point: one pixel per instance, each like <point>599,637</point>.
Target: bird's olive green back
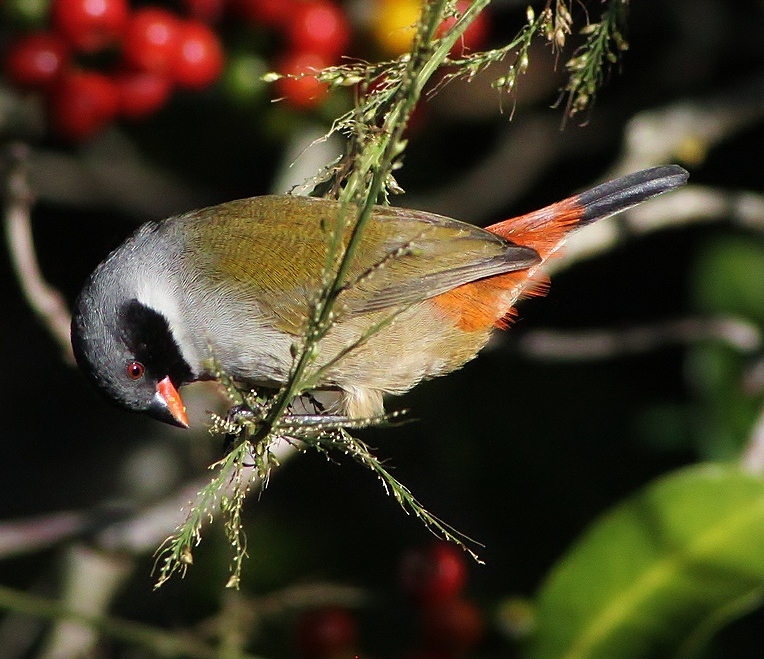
<point>272,249</point>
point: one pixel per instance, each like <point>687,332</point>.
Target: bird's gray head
<point>127,348</point>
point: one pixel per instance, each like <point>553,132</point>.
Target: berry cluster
<point>314,33</point>
<point>434,577</point>
<point>156,51</point>
<point>102,59</point>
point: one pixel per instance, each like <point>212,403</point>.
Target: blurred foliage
<point>727,279</point>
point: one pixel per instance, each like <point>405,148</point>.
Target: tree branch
<point>47,302</point>
<point>607,343</point>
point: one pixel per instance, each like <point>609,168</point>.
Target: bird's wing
<point>271,250</point>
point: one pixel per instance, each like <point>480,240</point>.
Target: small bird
<point>232,288</point>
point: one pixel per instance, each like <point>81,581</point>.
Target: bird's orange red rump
<point>483,303</point>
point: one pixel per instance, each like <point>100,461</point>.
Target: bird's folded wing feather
<point>272,250</point>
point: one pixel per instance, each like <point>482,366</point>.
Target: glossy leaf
<point>659,574</point>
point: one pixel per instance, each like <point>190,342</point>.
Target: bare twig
<point>529,146</point>
<point>688,129</point>
<point>160,642</point>
<point>515,160</point>
<point>142,532</point>
<point>35,533</point>
<point>147,528</point>
<point>92,580</point>
<point>606,343</point>
<point>113,528</point>
<point>110,173</point>
<point>45,301</point>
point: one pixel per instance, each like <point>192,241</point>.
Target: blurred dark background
<point>516,451</point>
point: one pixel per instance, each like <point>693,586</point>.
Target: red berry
<point>303,92</point>
<point>434,573</point>
<point>319,26</point>
<point>473,37</point>
<point>141,93</point>
<point>82,103</point>
<point>36,59</point>
<point>209,11</point>
<point>90,25</point>
<point>268,13</point>
<point>152,40</point>
<point>199,59</point>
<point>326,633</point>
<point>454,627</point>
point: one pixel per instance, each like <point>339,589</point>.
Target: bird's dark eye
<point>135,370</point>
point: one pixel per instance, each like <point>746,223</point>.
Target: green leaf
<point>660,573</point>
